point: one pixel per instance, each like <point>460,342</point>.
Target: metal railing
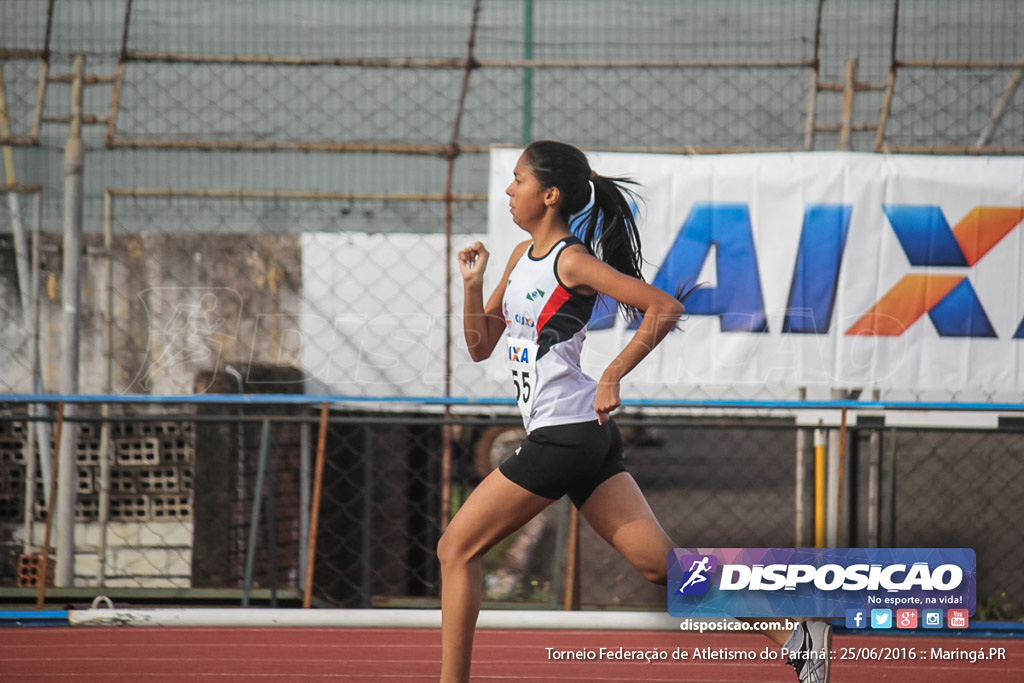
<point>339,501</point>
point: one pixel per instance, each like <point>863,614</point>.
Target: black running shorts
<point>572,459</point>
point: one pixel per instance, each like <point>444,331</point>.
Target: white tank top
<point>546,324</point>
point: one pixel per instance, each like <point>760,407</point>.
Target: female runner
<point>544,301</point>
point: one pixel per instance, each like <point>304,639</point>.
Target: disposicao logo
<point>696,580</point>
<point>823,582</point>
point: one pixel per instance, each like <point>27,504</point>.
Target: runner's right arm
<point>483,326</point>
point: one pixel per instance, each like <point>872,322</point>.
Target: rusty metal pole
<point>314,512</point>
<point>44,566</point>
<point>841,540</point>
<point>1004,103</point>
<point>452,156</point>
<point>812,91</point>
<point>849,86</point>
<point>890,81</point>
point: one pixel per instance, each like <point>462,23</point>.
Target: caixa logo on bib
<point>823,582</point>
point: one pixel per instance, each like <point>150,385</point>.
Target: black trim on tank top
<point>529,249</point>
<point>558,278</point>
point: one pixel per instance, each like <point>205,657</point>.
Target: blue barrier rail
<point>441,401</point>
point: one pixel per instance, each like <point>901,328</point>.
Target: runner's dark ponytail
<point>608,227</point>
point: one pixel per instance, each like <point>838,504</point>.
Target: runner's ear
<point>552,196</point>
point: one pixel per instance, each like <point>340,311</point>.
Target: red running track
<point>265,655</point>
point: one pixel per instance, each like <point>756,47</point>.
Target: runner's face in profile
<point>526,196</point>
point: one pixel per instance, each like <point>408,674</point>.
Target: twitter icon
<point>881,618</point>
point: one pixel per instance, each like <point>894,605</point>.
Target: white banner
<point>819,270</point>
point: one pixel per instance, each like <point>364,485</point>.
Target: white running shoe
<point>812,654</point>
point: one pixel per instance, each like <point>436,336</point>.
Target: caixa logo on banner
<point>938,284</point>
<point>824,582</point>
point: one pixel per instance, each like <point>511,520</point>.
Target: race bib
<point>522,362</point>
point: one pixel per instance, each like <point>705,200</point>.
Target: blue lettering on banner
<point>603,317</point>
<point>960,314</point>
<point>737,298</point>
<point>812,293</point>
<point>925,235</point>
<point>928,241</point>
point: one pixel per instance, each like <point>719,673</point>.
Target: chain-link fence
<point>261,180</point>
<point>19,292</point>
<point>254,190</point>
<point>175,505</point>
<point>952,488</point>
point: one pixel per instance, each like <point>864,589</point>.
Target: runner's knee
<point>446,552</point>
<point>451,549</point>
<point>655,572</point>
<point>650,562</point>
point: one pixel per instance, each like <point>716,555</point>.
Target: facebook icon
<point>856,618</point>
